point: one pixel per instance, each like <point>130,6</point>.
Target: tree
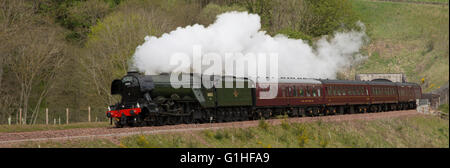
<point>112,42</point>
<point>35,61</point>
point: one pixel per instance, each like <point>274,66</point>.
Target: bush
<point>222,134</point>
<point>209,13</point>
<point>290,33</point>
<point>327,16</point>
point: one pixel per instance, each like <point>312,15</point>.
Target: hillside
<point>407,38</point>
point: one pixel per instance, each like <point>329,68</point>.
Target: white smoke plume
<point>239,32</point>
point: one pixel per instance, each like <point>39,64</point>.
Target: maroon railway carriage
<point>346,96</point>
<point>299,97</point>
<point>407,95</point>
<point>295,97</point>
<point>383,96</point>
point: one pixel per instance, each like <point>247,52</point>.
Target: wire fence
<point>55,116</point>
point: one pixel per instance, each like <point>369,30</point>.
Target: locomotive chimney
<point>132,72</point>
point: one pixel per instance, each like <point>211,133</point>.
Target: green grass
<point>406,38</point>
<point>43,127</point>
<point>406,132</point>
<point>442,1</point>
<point>418,131</point>
<point>443,108</point>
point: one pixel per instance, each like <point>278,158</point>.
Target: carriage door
<point>289,95</point>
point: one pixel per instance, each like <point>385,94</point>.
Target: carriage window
<point>344,91</point>
<point>301,92</point>
<point>283,91</point>
<point>308,91</point>
<point>350,91</point>
<point>295,91</point>
<point>314,92</point>
<point>328,90</point>
<point>334,91</point>
<point>318,92</point>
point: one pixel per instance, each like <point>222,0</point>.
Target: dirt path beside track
<point>7,139</point>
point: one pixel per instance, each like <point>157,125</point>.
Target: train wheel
<point>351,110</point>
<point>179,120</point>
<point>341,110</point>
<point>331,111</point>
<point>267,114</point>
<point>161,120</point>
<point>170,120</point>
<point>235,115</point>
<point>188,119</point>
<point>302,112</point>
<point>118,124</point>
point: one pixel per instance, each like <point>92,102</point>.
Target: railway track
<point>6,139</point>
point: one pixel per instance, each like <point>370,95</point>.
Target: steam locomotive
<point>150,100</point>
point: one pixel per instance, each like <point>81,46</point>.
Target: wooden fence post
<point>67,115</point>
<point>89,113</point>
<point>20,116</point>
<point>46,116</point>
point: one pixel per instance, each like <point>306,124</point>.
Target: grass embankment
<point>444,108</point>
<point>406,38</point>
<point>419,131</point>
<point>43,127</point>
<point>424,1</point>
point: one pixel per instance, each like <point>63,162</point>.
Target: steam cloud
<point>239,32</point>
